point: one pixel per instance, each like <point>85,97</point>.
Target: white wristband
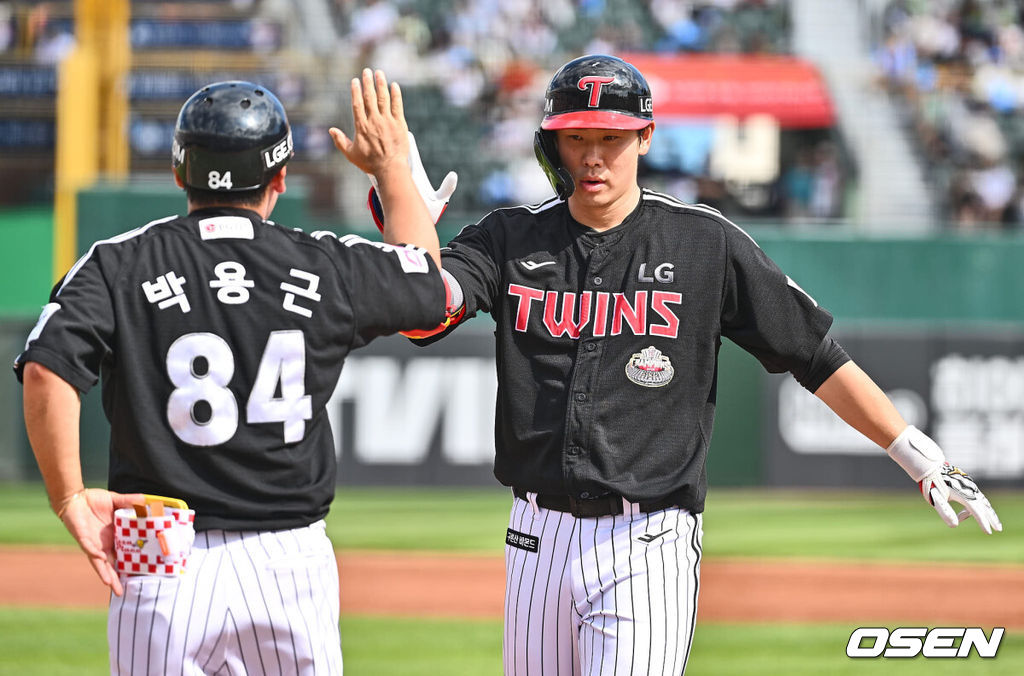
<point>916,453</point>
<point>458,298</point>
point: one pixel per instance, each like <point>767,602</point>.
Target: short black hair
<point>200,198</point>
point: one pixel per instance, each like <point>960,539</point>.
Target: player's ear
<point>177,180</point>
<point>645,138</point>
<point>277,183</point>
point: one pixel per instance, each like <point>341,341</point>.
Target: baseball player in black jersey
<point>611,302</point>
<point>219,337</point>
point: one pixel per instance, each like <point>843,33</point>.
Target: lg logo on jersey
<point>663,273</point>
<point>914,641</point>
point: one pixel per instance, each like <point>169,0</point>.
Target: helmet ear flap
<point>545,147</point>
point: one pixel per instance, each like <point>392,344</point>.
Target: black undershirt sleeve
<point>827,359</point>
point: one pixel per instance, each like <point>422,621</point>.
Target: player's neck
<point>603,217</point>
<point>263,208</point>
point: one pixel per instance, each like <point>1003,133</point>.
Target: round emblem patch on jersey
<point>650,368</point>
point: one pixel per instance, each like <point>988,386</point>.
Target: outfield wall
<point>963,385</point>
<point>918,314</point>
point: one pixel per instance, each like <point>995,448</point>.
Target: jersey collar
<point>207,212</point>
<point>611,234</point>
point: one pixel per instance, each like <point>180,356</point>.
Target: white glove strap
<point>436,200</point>
<point>916,453</point>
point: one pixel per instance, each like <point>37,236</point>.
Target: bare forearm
<point>407,220</point>
<point>52,410</point>
<point>855,398</point>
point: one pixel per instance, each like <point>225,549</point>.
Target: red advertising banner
<point>706,85</point>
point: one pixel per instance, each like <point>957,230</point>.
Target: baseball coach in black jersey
<point>219,337</point>
<point>611,302</point>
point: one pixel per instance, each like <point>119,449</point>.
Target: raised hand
<point>381,134</point>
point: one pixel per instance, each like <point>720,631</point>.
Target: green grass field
<point>738,523</point>
<point>75,644</point>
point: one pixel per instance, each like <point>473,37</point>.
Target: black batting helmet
<point>592,92</point>
<point>231,137</point>
<point>597,92</point>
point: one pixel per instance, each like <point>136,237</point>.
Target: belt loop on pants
<point>630,508</point>
<point>532,499</point>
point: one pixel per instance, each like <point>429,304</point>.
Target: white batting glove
<point>941,482</point>
<point>436,200</point>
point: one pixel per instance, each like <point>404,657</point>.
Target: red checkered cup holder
<point>154,544</point>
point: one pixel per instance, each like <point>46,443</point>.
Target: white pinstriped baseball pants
<point>249,603</point>
<point>601,596</point>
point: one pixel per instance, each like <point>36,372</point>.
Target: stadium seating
<point>472,72</point>
<point>176,48</point>
<point>956,68</point>
<point>487,62</point>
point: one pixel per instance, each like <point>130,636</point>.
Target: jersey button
<point>590,347</point>
<point>574,450</point>
<point>585,495</point>
<point>598,281</point>
<point>580,396</point>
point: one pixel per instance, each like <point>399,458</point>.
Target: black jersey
<point>220,338</point>
<point>607,342</point>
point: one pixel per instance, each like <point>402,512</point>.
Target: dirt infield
<point>732,590</point>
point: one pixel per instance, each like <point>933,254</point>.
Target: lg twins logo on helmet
<point>274,155</point>
<point>595,83</point>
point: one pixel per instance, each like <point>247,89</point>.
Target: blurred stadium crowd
<point>473,72</point>
<point>957,67</point>
<point>486,63</point>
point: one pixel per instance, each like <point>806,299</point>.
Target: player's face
<point>603,164</point>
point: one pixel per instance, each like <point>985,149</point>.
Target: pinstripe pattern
<point>694,550</point>
<point>250,603</point>
<point>595,600</point>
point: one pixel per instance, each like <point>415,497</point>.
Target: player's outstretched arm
<point>861,403</point>
<point>380,147</point>
<point>52,411</point>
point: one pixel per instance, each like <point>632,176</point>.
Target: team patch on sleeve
<point>522,541</point>
<point>413,259</point>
